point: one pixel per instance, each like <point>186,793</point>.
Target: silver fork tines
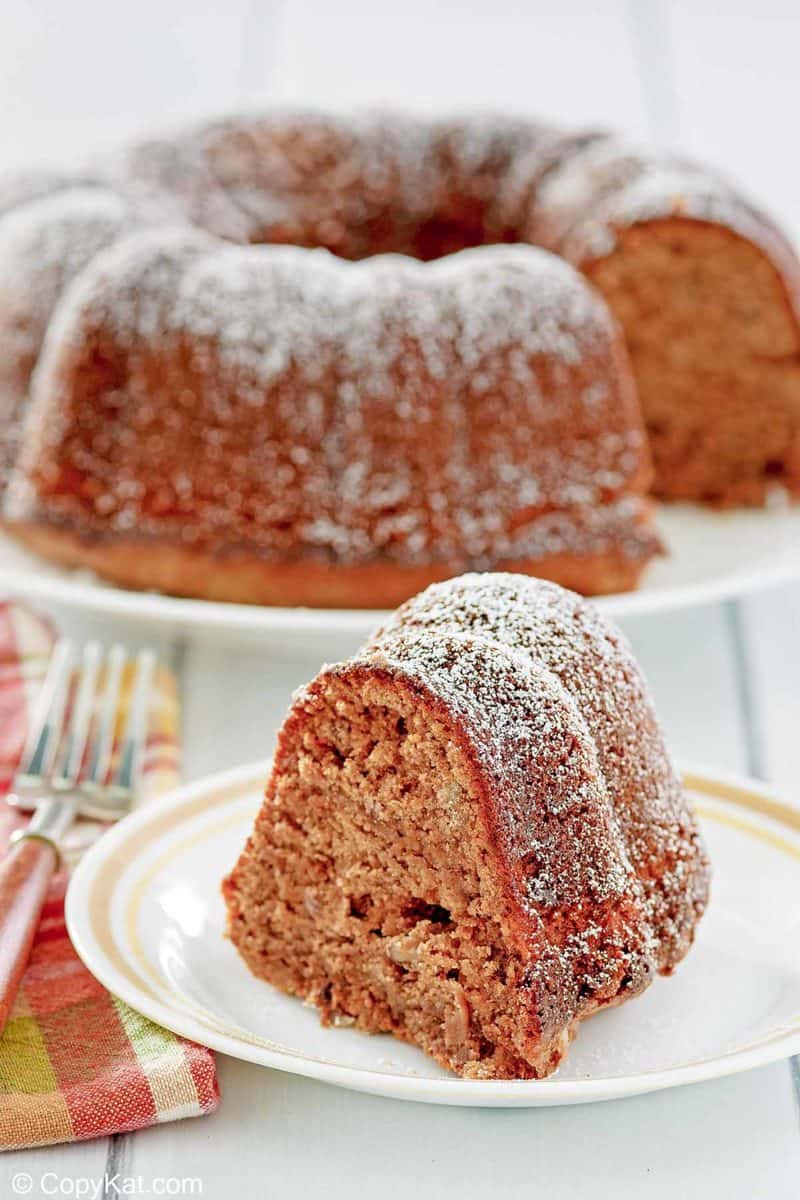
<point>52,762</point>
<point>101,797</point>
<point>75,722</point>
<point>41,744</point>
<point>135,735</point>
<point>103,746</point>
<point>78,733</point>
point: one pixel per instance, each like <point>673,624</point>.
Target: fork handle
<point>25,875</point>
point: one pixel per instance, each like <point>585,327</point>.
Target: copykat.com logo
<point>83,1187</point>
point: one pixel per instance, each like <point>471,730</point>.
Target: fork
<point>65,771</point>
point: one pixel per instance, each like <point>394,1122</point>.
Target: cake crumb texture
<point>473,836</point>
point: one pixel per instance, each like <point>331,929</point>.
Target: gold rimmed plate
<point>145,913</point>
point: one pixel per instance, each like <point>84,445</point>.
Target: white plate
<point>145,913</point>
<point>712,556</point>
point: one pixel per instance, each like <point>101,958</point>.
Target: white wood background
<point>719,80</point>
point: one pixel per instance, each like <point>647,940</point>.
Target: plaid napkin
<point>75,1062</point>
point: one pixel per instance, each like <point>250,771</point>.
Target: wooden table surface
<point>683,73</point>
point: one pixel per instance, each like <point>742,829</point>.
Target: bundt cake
<point>336,433</point>
<point>44,244</point>
<point>472,836</point>
<point>219,417</point>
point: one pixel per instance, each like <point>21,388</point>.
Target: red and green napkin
<point>75,1062</point>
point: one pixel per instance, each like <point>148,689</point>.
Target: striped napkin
<point>75,1062</point>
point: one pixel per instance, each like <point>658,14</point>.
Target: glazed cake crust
<point>473,836</point>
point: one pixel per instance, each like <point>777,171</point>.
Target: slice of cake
<point>473,836</point>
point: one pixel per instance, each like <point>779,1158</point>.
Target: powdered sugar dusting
<point>270,306</point>
<point>594,866</point>
<point>45,245</point>
<point>468,411</point>
<point>405,411</point>
<point>608,185</point>
<point>27,187</point>
<point>544,682</point>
